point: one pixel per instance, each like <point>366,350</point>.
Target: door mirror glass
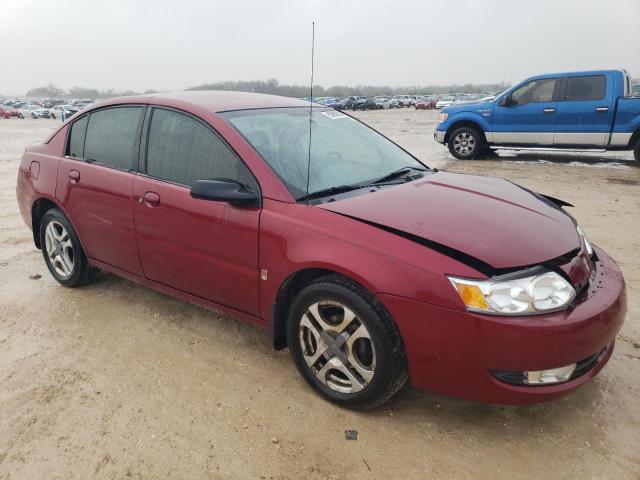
<point>225,190</point>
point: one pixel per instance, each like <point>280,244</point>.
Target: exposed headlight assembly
<point>533,292</point>
<point>587,245</point>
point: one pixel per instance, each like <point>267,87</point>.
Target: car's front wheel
<point>53,115</point>
<point>20,116</point>
<point>345,344</point>
<point>62,251</point>
<point>465,143</point>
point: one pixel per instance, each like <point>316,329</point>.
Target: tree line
<point>272,86</point>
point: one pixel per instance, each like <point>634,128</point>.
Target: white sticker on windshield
<point>334,114</point>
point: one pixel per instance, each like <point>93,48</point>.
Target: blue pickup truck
<point>576,110</point>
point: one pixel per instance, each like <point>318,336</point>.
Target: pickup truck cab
<point>576,110</point>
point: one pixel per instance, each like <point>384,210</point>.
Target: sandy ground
<point>117,381</point>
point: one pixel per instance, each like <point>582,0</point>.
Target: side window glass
<point>586,88</point>
<point>182,150</point>
<point>535,91</point>
<point>76,138</point>
<point>112,136</point>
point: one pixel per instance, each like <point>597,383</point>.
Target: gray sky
<point>168,44</point>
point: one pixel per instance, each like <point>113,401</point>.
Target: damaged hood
<point>488,219</point>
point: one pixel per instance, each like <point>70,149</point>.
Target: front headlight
<point>587,245</point>
<point>443,117</point>
<point>528,294</point>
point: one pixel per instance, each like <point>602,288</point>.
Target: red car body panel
<point>9,112</point>
<point>212,253</point>
<point>488,218</point>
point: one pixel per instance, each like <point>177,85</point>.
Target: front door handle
<point>150,199</point>
<point>74,176</point>
<point>602,109</point>
<point>549,111</point>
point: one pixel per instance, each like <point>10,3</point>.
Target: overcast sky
<point>174,44</point>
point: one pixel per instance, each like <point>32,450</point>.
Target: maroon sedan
<point>7,111</point>
<point>370,266</point>
<point>425,105</point>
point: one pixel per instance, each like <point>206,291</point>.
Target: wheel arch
<point>634,138</point>
<point>466,122</point>
<point>38,209</point>
<point>290,287</point>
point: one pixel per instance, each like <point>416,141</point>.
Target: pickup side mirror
<point>225,190</point>
<point>507,101</point>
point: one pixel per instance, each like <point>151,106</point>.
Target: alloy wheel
<point>337,347</point>
<point>464,143</point>
<point>59,249</point>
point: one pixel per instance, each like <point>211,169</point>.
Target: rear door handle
<point>74,176</point>
<point>549,111</point>
<point>602,109</point>
<point>150,199</point>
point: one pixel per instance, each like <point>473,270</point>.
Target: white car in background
<point>444,102</point>
<point>383,102</point>
<point>401,100</point>
<point>35,111</point>
<point>58,110</point>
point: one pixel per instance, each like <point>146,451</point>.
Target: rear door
<point>206,248</point>
<point>530,117</point>
<point>95,179</point>
<point>585,107</point>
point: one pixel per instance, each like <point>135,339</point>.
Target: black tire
<point>53,116</point>
<point>81,273</point>
<point>636,151</point>
<point>390,371</point>
<point>465,143</point>
<point>20,116</point>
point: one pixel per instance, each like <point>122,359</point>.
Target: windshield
<point>344,151</point>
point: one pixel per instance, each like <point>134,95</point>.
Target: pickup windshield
<point>344,151</point>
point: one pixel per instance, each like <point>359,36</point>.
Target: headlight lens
<point>587,245</point>
<point>443,117</point>
<point>513,295</point>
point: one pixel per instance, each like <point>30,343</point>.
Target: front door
<point>205,248</point>
<point>95,180</point>
<point>529,117</point>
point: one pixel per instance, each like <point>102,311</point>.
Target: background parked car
<point>401,100</point>
<point>365,103</point>
<point>444,102</point>
<point>425,104</point>
<point>345,103</point>
<point>7,111</point>
<point>383,102</point>
<point>35,111</point>
<point>58,110</point>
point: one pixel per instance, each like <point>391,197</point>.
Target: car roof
<point>215,100</point>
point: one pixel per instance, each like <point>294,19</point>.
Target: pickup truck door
<point>583,114</point>
<point>528,115</point>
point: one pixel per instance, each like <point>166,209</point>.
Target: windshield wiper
<point>329,191</point>
<point>395,174</point>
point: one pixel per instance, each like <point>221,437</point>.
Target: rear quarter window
<point>76,137</point>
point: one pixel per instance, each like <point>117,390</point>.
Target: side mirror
<point>225,190</point>
<point>507,101</point>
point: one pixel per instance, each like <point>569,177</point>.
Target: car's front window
<point>344,151</point>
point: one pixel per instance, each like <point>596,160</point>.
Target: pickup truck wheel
<point>636,151</point>
<point>465,143</point>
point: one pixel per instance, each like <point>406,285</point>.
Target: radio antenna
<point>313,41</point>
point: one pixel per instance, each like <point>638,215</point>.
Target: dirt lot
<point>115,381</point>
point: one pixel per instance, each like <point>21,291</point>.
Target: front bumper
<point>457,353</point>
<point>439,135</point>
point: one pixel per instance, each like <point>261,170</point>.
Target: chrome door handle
<point>602,109</point>
<point>549,111</point>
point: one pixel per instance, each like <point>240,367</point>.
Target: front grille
<point>519,377</point>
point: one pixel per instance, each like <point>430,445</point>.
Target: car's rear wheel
<point>53,116</point>
<point>465,143</point>
<point>62,251</point>
<point>20,116</point>
<point>33,115</point>
<point>345,343</point>
<point>636,151</point>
